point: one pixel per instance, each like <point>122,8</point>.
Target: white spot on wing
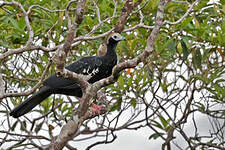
<point>88,70</point>
<point>94,71</point>
<point>89,74</point>
<point>84,71</point>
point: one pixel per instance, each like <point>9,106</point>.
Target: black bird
<point>94,68</point>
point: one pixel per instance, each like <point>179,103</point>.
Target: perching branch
<point>62,52</point>
<point>153,105</point>
<point>141,58</point>
<point>69,130</point>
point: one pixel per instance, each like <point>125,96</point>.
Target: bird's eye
<point>114,36</point>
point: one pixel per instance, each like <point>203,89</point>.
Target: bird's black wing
<point>87,66</point>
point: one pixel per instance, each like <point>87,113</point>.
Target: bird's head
<point>115,38</point>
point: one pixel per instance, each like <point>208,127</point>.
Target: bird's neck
<point>111,50</point>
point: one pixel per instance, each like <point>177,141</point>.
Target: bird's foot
<point>95,108</point>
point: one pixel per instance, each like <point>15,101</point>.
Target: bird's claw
<point>95,108</point>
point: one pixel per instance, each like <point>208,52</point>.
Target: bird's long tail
<point>31,102</point>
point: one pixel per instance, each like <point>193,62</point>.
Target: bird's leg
<point>102,103</point>
<point>95,108</point>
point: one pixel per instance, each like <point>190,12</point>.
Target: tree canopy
<point>171,70</point>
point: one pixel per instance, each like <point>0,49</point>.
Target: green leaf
<point>129,82</point>
<point>65,108</point>
<point>157,124</point>
<point>23,125</point>
<point>46,104</point>
<point>197,59</point>
<point>14,126</point>
<point>199,77</point>
<point>3,111</point>
<point>121,82</point>
<point>172,46</point>
<point>163,121</point>
<point>185,22</point>
<point>164,87</point>
<point>154,4</point>
<point>200,106</point>
<point>145,75</point>
<point>16,25</point>
<point>38,127</point>
<point>155,135</point>
<point>185,50</point>
<point>117,105</point>
<point>220,90</point>
<point>133,102</point>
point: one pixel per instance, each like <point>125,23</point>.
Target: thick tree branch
<point>175,92</point>
<point>62,52</point>
<point>69,130</point>
<point>126,11</point>
<point>141,58</point>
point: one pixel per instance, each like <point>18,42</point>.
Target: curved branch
<point>184,16</point>
<point>46,9</point>
<point>31,90</point>
<point>69,130</point>
<point>119,27</point>
<point>27,48</point>
<point>29,28</point>
<point>141,58</point>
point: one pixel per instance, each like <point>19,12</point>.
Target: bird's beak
<point>123,38</point>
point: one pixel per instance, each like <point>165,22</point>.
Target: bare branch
<point>102,142</point>
<point>45,9</point>
<point>29,28</point>
<point>119,27</point>
<point>97,12</point>
<point>31,90</point>
<point>62,51</point>
<point>24,135</point>
<point>141,58</point>
<point>27,48</point>
<point>67,13</point>
<point>2,86</point>
<point>140,25</point>
<point>126,10</point>
<point>185,15</point>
